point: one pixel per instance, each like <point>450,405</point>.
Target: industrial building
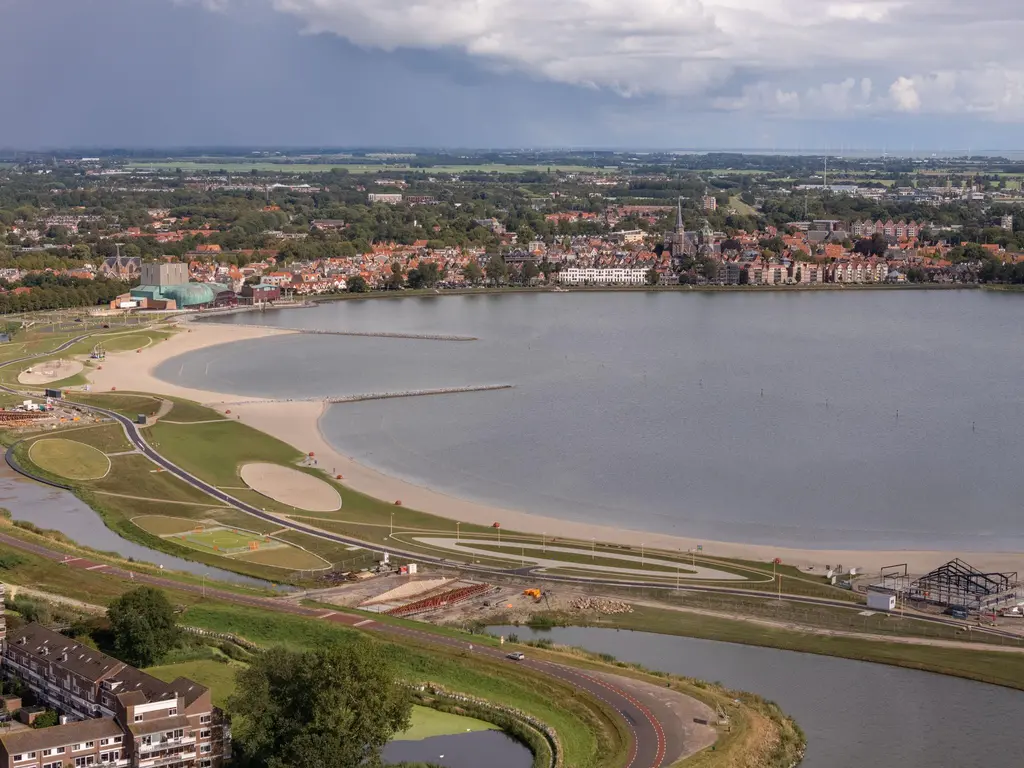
<point>955,584</point>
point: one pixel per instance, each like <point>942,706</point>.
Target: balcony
<point>166,744</point>
<point>181,757</point>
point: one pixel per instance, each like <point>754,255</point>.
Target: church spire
<point>679,215</point>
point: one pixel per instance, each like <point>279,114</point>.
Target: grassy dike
<point>591,734</point>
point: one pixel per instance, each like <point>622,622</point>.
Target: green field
<point>218,539</point>
<point>108,438</point>
<point>217,675</point>
<point>427,723</point>
<point>160,525</point>
<point>70,459</point>
<point>289,557</point>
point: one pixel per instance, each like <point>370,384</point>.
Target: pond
<point>60,510</point>
<point>853,713</point>
<point>495,749</point>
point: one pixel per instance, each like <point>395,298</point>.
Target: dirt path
<point>161,501</point>
<point>49,597</point>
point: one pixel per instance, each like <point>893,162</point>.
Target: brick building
<point>112,714</point>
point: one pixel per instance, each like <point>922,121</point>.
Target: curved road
<point>649,744</point>
<point>135,436</point>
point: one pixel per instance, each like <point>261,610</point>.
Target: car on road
<point>516,656</point>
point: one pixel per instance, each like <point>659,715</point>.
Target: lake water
<point>853,713</point>
<point>55,509</point>
<point>464,750</point>
<point>858,419</point>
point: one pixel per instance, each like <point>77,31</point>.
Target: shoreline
<point>298,424</point>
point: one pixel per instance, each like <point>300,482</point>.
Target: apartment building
<point>599,276</point>
<point>112,715</point>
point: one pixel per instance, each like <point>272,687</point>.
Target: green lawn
<point>135,475</point>
<point>108,438</point>
<point>67,458</point>
<point>159,525</point>
<point>589,731</point>
<point>126,404</point>
<point>217,675</point>
<point>187,411</point>
<point>427,723</point>
<point>214,452</point>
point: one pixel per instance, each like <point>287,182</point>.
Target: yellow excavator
<point>534,593</point>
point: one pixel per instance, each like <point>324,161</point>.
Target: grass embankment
<point>1004,668</point>
<point>69,459</point>
<point>591,733</point>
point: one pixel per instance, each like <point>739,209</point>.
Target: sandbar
<point>298,424</point>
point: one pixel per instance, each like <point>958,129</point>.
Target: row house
<point>859,272</point>
<point>112,714</point>
<point>899,230</point>
<point>808,273</point>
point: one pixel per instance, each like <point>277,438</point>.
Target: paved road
<point>138,440</point>
<point>649,746</point>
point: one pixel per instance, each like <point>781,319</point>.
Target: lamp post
<point>593,546</point>
<point>458,534</point>
<point>392,529</point>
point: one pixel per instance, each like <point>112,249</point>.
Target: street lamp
<point>392,529</point>
<point>593,546</point>
<point>458,535</point>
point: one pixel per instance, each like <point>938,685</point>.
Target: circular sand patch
<point>50,370</point>
<point>291,487</point>
<point>70,459</point>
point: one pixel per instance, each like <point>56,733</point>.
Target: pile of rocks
<point>598,605</point>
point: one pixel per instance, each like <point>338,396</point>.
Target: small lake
<point>495,749</point>
<point>853,713</point>
<point>55,509</point>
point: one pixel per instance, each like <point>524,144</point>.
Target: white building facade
<point>602,276</point>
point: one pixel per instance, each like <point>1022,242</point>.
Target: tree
<point>396,279</point>
<point>47,719</point>
<point>357,284</point>
<point>143,625</point>
<point>652,276</point>
<point>496,269</point>
<point>333,707</point>
<point>472,272</point>
<point>529,272</point>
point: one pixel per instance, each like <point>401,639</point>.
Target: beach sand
<point>297,423</point>
<point>49,371</point>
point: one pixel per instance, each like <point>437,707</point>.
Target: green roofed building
<point>186,295</point>
<point>165,285</point>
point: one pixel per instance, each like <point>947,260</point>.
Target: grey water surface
<point>853,713</point>
<point>851,419</point>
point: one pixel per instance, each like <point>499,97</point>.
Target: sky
<point>813,75</point>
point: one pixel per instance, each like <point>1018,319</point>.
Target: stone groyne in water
<point>366,334</point>
<point>372,395</point>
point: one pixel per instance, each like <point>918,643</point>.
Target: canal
<point>853,713</point>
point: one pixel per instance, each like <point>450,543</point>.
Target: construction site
<point>956,588</point>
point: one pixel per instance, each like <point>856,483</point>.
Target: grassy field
<point>186,411</point>
<point>159,525</point>
<point>127,404</point>
<point>217,675</point>
<point>135,475</point>
<point>215,452</point>
<point>427,723</point>
<point>70,459</point>
<point>108,438</point>
<point>287,557</point>
<point>590,732</point>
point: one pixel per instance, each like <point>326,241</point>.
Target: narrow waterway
<point>493,749</point>
<point>59,510</point>
<point>854,713</point>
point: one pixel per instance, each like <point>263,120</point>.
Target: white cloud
<point>797,56</point>
<point>904,95</point>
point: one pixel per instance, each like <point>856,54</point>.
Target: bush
<point>9,560</point>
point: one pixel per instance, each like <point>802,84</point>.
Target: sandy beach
<point>297,423</point>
